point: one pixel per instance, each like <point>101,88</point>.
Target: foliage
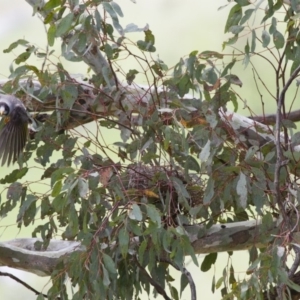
<point>173,164</point>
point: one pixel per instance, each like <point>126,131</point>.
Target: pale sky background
<point>179,27</point>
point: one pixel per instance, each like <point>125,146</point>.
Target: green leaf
<point>227,68</point>
<point>188,249</point>
<point>109,264</point>
<point>180,187</point>
<point>210,54</point>
<point>141,251</point>
<point>232,279</point>
<point>14,175</point>
<point>265,38</point>
<point>64,25</point>
<point>73,225</point>
<point>144,46</point>
<point>153,214</point>
<point>208,261</point>
<point>183,283</point>
<point>116,8</point>
<point>149,37</point>
<point>296,58</point>
<point>234,17</point>
<point>184,85</point>
<point>209,192</point>
<point>267,222</point>
<point>247,15</point>
<point>246,59</point>
<point>14,191</point>
<point>205,152</point>
<point>56,188</point>
<point>123,238</point>
<point>40,297</point>
<point>130,76</point>
<point>191,164</point>
<point>15,45</point>
<point>69,94</point>
<point>148,43</point>
<point>108,51</point>
<point>23,57</point>
<point>278,39</point>
<point>106,280</point>
<point>230,41</point>
<point>60,173</point>
<point>288,123</point>
<point>59,203</point>
<point>174,293</point>
<point>243,2</point>
<point>273,26</point>
<point>135,213</point>
<point>210,75</point>
<point>253,43</point>
<point>51,4</point>
<point>27,210</point>
<point>236,29</point>
<point>109,8</point>
<point>83,187</point>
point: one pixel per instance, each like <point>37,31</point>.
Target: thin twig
<point>23,283</point>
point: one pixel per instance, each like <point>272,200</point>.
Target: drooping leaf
<point>208,261</point>
<point>15,45</point>
<point>109,263</point>
<point>153,214</point>
<point>247,15</point>
<point>64,25</point>
<point>278,39</point>
<point>123,238</point>
<point>234,17</point>
<point>135,213</point>
<point>265,38</point>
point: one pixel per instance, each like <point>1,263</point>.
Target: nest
<point>169,189</point>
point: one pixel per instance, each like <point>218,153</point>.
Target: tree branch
<point>23,283</point>
<point>21,253</point>
<point>270,119</point>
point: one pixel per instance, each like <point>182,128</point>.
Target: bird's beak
<point>2,110</point>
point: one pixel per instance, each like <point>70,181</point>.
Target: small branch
<point>279,160</point>
<point>191,282</point>
<point>187,274</point>
<point>23,283</point>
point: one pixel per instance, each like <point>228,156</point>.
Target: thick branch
<point>21,253</point>
<point>270,119</point>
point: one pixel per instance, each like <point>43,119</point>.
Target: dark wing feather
<point>13,135</point>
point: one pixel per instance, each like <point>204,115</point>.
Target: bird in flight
<point>13,128</point>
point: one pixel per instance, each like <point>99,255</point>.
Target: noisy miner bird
<point>13,128</point>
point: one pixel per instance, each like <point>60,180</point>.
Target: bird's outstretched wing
<point>13,135</point>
